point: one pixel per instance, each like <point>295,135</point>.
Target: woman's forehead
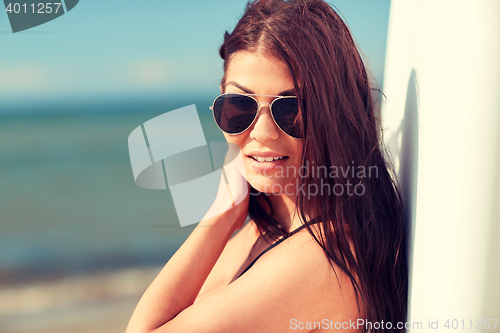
<point>258,73</point>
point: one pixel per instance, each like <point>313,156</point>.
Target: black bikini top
<point>279,241</point>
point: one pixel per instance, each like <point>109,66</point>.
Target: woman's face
<point>256,73</point>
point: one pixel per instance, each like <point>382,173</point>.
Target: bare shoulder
<point>231,259</point>
<point>305,272</point>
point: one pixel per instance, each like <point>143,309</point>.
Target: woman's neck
<point>285,211</point>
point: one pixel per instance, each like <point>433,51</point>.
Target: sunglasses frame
<point>270,105</point>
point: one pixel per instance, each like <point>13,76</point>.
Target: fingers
<point>233,187</point>
<point>235,177</point>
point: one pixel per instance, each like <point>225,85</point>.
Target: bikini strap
<point>279,241</point>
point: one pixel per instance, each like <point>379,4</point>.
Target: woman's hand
<point>231,203</point>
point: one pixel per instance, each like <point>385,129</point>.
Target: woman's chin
<point>270,187</point>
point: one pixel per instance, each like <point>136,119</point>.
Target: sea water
<point>68,201</point>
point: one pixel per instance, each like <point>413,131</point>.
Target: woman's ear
<point>221,90</point>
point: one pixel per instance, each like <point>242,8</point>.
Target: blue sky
<point>110,50</point>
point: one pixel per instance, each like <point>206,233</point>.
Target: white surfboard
<point>442,124</point>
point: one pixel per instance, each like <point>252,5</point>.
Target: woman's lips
<point>267,166</point>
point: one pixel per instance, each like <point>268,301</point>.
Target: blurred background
<point>79,241</point>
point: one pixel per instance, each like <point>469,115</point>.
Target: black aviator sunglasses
<point>235,113</point>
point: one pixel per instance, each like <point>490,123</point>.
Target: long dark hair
<point>341,131</point>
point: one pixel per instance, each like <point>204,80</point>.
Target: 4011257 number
<point>480,324</point>
<point>40,8</point>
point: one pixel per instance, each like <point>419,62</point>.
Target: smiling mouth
<point>268,159</point>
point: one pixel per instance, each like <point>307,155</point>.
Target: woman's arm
<point>179,282</point>
<point>177,285</point>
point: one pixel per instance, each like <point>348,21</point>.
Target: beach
<point>99,302</point>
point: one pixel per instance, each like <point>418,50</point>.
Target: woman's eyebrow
<point>289,92</point>
<point>246,90</point>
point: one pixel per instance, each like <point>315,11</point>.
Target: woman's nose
<point>264,128</point>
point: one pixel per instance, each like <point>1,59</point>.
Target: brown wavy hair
<point>338,104</point>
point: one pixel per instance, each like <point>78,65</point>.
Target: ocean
<point>72,215</point>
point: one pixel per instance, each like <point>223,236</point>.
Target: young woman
<point>325,246</point>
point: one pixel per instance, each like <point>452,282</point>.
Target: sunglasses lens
<point>286,115</point>
<point>234,113</point>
